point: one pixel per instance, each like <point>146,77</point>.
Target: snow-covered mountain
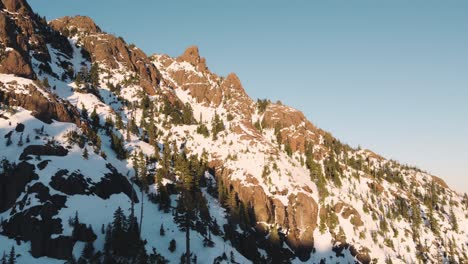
<point>92,124</point>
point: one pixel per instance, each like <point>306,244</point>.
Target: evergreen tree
<point>88,250</point>
<point>109,123</point>
<point>85,153</point>
<point>274,236</point>
<point>94,75</point>
<point>161,231</point>
<point>12,256</point>
<point>287,148</point>
<point>20,141</point>
<point>172,245</point>
<point>4,258</point>
<point>453,220</point>
<point>84,111</point>
<point>118,230</point>
<point>217,126</point>
<point>9,142</point>
<point>118,122</point>
<point>94,118</point>
<point>45,83</point>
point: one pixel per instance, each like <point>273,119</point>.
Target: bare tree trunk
<point>187,237</point>
<point>141,214</point>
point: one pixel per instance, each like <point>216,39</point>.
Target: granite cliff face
<point>274,186</point>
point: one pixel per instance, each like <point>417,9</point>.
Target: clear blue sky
<point>391,76</point>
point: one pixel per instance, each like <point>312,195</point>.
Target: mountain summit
<point>114,156</point>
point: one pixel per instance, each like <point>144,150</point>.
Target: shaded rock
<point>37,224</point>
<point>13,183</point>
<point>19,128</point>
<point>114,183</point>
<point>71,184</point>
<point>43,164</point>
<point>46,150</point>
<point>299,216</point>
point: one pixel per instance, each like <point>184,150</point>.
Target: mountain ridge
<point>274,171</point>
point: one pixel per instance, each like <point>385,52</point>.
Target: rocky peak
<point>233,81</point>
<point>192,56</point>
<point>16,6</point>
<point>82,23</point>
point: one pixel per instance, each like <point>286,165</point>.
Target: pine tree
<point>95,118</point>
<point>172,245</point>
<point>9,142</point>
<point>453,220</point>
<point>287,148</point>
<point>45,83</point>
<point>85,153</point>
<point>161,231</point>
<point>94,75</point>
<point>109,123</point>
<point>118,122</point>
<point>84,111</point>
<point>274,236</point>
<point>20,141</point>
<point>118,231</point>
<point>12,256</point>
<point>4,258</point>
<point>88,250</point>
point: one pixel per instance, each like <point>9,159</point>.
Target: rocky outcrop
<point>348,211</point>
<point>76,183</point>
<point>298,218</point>
<point>43,150</point>
<point>192,56</point>
<point>43,108</point>
<point>294,127</point>
<point>17,6</point>
<point>113,183</point>
<point>81,23</point>
<point>16,60</point>
<point>111,51</point>
<point>26,34</point>
<point>13,182</point>
<point>37,224</point>
<point>70,184</point>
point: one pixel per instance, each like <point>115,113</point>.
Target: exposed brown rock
<point>15,61</point>
<point>440,181</point>
<point>45,109</point>
<point>111,51</point>
<point>295,128</point>
<point>83,23</point>
<point>302,216</point>
<point>15,64</point>
<point>192,56</point>
<point>346,211</point>
<point>298,217</point>
<point>376,187</point>
<point>17,6</point>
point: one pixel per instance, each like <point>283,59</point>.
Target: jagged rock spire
<point>192,56</point>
